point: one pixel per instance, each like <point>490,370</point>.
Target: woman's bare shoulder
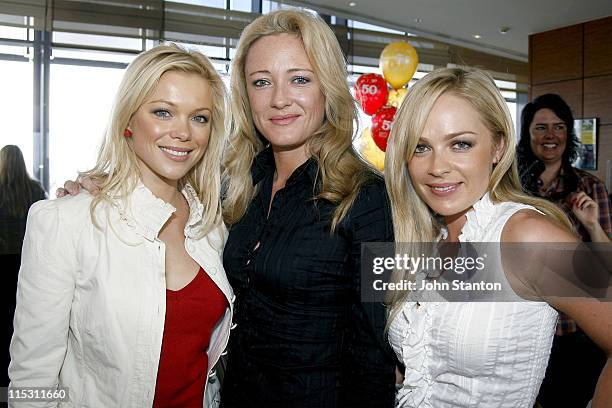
<point>529,225</point>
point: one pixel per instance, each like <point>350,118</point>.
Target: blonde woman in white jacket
<point>122,298</point>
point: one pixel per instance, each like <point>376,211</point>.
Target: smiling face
<point>452,163</point>
<point>548,136</point>
<point>284,92</point>
<point>171,128</point>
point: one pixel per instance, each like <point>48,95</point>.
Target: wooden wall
<point>576,63</point>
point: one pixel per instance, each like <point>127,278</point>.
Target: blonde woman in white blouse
<point>451,158</point>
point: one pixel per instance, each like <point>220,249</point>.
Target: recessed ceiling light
<point>504,30</point>
<point>352,4</point>
<point>418,20</point>
<point>477,36</point>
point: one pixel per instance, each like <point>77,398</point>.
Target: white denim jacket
<point>91,302</point>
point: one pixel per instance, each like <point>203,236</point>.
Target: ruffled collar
<point>147,213</point>
<point>478,219</point>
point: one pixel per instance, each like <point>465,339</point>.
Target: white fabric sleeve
<point>45,292</point>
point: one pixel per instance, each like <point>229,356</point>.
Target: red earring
<point>127,133</point>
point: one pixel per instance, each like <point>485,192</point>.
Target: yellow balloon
<point>369,151</point>
<point>396,97</point>
<point>398,62</point>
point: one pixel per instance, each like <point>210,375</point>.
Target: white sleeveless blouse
<point>460,354</point>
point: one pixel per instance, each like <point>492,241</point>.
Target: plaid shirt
<point>557,193</point>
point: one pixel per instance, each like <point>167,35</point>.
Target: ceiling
<point>458,21</point>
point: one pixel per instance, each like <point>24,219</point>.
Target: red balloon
<point>371,92</point>
<point>381,126</point>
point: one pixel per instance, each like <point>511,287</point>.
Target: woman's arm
<point>593,316</point>
<point>44,298</point>
<point>587,211</point>
<point>595,319</point>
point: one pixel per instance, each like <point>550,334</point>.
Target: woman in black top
<point>299,203</point>
<point>17,193</point>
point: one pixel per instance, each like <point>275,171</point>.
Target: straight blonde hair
<point>413,220</point>
<point>117,165</point>
<point>341,170</point>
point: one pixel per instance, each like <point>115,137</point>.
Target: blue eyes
<point>298,80</point>
<point>165,114</point>
<point>260,83</point>
<point>462,145</point>
<point>420,149</point>
<point>458,145</point>
<point>161,113</point>
<point>301,80</point>
<point>200,119</point>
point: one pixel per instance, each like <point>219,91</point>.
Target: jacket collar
<point>147,214</point>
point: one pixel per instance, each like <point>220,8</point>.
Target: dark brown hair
<point>17,190</point>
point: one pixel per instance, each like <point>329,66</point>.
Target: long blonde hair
<point>412,218</point>
<point>117,165</point>
<point>342,172</point>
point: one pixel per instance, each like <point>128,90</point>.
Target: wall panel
<point>556,55</point>
<point>598,47</point>
<point>576,63</point>
<point>570,91</point>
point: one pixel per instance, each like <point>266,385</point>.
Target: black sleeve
<point>369,360</point>
<point>37,192</point>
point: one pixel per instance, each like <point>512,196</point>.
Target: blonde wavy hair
<point>413,220</point>
<point>341,170</point>
<point>117,166</point>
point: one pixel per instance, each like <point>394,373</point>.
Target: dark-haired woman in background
<point>17,193</point>
<point>546,149</point>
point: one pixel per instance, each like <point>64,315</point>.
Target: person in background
<point>299,202</point>
<point>17,193</point>
<point>545,153</point>
<point>122,297</point>
<point>546,150</point>
<point>451,175</point>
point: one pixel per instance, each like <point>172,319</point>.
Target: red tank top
<point>191,314</point>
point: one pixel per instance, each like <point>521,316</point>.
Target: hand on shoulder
<point>73,188</point>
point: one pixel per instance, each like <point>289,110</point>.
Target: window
<point>240,5</point>
<point>17,107</point>
<point>209,51</point>
<point>103,41</point>
<point>268,6</point>
<point>207,3</point>
<point>14,33</point>
<point>508,91</point>
<point>80,102</point>
<point>372,27</point>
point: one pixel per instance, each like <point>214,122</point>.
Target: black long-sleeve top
<point>12,227</point>
<point>303,337</point>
